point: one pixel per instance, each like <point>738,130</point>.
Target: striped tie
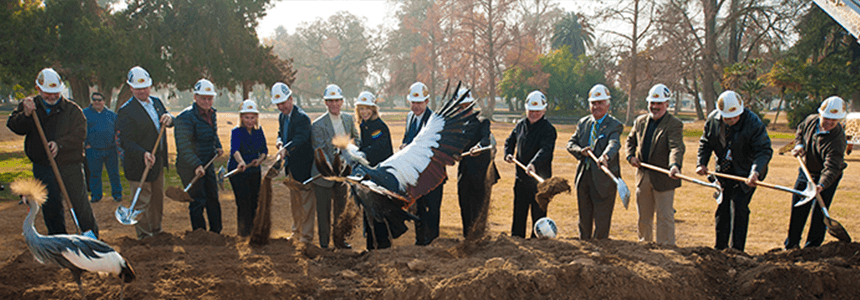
<point>592,140</point>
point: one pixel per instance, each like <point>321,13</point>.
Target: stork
<point>74,252</point>
<point>392,186</point>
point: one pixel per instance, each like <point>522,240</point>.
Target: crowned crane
<point>386,190</point>
<point>74,252</point>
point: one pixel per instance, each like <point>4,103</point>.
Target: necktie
<point>413,129</point>
<point>591,141</point>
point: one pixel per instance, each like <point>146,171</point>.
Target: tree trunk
<point>631,93</point>
<point>80,91</point>
<point>246,89</point>
<point>779,107</point>
<point>709,75</point>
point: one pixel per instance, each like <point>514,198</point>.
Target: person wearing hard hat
<point>247,151</point>
<point>821,142</point>
<point>295,149</point>
<point>427,229</point>
<point>197,143</point>
<point>331,196</point>
<point>531,142</point>
<point>474,182</point>
<point>65,129</point>
<point>375,143</point>
<point>656,138</point>
<point>139,121</point>
<point>600,133</point>
<point>738,139</point>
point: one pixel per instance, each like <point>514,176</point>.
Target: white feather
<point>110,262</point>
<point>407,164</point>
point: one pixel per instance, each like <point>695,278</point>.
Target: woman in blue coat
<point>247,151</point>
<point>375,143</point>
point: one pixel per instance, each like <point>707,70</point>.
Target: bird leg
<point>121,286</point>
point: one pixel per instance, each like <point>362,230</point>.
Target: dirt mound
<point>202,264</point>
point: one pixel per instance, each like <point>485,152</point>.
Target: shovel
<point>59,178</point>
<point>623,191</point>
<point>714,185</point>
<point>807,194</point>
<point>182,195</point>
<point>834,228</point>
<point>126,215</point>
<point>546,188</point>
<point>476,152</point>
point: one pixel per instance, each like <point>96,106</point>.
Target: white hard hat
<point>659,93</point>
<point>332,91</point>
<point>598,92</point>
<point>365,98</point>
<point>249,106</point>
<point>280,92</point>
<point>204,87</point>
<point>730,104</point>
<point>418,92</point>
<point>138,78</point>
<point>49,81</point>
<point>833,108</point>
<point>536,101</point>
<point>468,99</point>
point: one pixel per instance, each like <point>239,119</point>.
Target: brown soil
<point>549,188</point>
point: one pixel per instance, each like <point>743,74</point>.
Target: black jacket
<point>196,140</point>
<point>298,143</point>
<point>137,136</point>
<point>534,144</point>
<point>65,125</point>
<point>375,141</point>
<point>750,145</point>
<point>825,153</point>
<point>474,168</point>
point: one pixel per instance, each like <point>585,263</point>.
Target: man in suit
<point>428,206</point>
<point>657,138</point>
<point>197,143</point>
<point>738,138</point>
<point>595,190</point>
<point>476,174</point>
<point>531,142</point>
<point>294,144</point>
<point>331,196</point>
<point>139,120</point>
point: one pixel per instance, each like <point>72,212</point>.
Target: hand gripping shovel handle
<point>479,150</point>
<point>620,185</point>
<point>602,167</point>
<point>143,177</point>
<point>519,164</point>
<point>59,178</point>
<point>196,177</point>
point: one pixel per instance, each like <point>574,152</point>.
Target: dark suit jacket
<point>298,143</point>
<point>407,138</point>
<point>137,136</point>
<point>667,149</point>
<point>474,168</point>
<point>608,143</point>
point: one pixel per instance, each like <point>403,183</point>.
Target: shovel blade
<point>836,230</point>
<point>126,216</point>
<point>808,194</point>
<point>623,192</point>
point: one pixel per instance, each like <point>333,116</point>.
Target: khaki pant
<point>649,200</point>
<point>151,201</point>
<point>303,207</point>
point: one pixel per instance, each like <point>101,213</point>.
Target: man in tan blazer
<point>656,138</point>
<point>331,196</point>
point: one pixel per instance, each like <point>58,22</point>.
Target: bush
<point>799,112</point>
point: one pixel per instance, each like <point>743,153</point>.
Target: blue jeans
<point>95,159</point>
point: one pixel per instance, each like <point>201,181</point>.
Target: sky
<point>292,13</point>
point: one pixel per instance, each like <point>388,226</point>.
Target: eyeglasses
<point>98,99</point>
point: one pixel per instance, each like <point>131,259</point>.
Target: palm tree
<point>571,32</point>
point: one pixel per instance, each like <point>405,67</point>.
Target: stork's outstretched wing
<point>420,166</point>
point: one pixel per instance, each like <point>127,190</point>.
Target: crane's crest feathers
<point>31,188</point>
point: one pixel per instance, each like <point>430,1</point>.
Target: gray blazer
<point>323,132</point>
<point>608,143</point>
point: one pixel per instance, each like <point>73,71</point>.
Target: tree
<point>573,33</point>
<point>27,44</point>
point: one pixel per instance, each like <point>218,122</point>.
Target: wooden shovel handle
<point>154,148</point>
<point>664,171</point>
<point>53,162</point>
<point>536,176</point>
<point>602,167</point>
<point>196,177</point>
<point>742,179</point>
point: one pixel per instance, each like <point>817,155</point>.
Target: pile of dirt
<point>202,264</point>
